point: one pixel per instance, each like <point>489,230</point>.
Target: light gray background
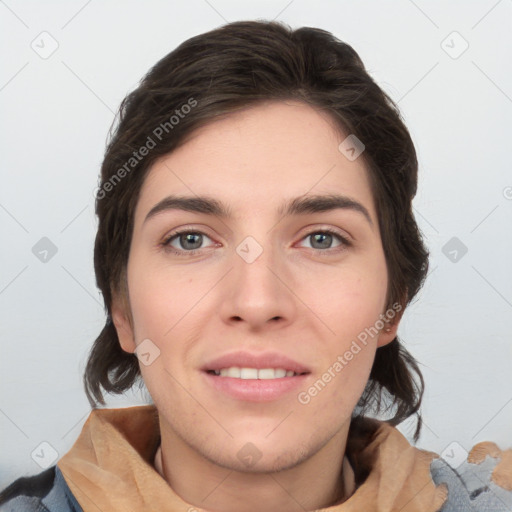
<point>55,116</point>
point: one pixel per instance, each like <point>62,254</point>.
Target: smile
<point>254,373</point>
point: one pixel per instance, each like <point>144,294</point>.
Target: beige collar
<point>110,467</point>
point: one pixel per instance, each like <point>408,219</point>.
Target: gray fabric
<point>470,487</point>
<point>58,497</point>
<point>25,504</point>
<point>61,494</point>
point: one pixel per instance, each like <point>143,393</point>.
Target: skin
<point>308,304</point>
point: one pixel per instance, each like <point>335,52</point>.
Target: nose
<point>258,291</point>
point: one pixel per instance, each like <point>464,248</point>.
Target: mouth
<point>251,377</point>
<point>235,372</point>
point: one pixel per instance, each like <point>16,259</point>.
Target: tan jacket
<point>110,467</point>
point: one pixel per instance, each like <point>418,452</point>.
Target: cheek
<point>350,299</point>
<point>333,395</point>
<point>152,300</point>
<point>353,376</point>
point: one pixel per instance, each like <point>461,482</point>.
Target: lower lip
<point>255,390</point>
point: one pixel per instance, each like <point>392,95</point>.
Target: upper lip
<point>243,359</point>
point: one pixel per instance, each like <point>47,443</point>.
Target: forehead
<point>255,158</point>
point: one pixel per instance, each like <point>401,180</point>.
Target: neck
<point>317,482</point>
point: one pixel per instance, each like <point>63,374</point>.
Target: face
<point>257,287</point>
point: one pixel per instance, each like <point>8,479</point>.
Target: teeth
<point>266,373</point>
<point>248,373</point>
<point>280,373</point>
<point>254,373</point>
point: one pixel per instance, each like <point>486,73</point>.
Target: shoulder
<point>45,492</point>
<point>479,481</point>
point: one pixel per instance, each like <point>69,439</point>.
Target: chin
<point>261,463</point>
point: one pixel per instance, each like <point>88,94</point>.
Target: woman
<point>268,342</point>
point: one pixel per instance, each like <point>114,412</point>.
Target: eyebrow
<point>298,206</point>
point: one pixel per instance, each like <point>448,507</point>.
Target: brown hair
<point>228,69</point>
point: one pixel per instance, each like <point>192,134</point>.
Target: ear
<point>386,337</point>
<point>123,323</point>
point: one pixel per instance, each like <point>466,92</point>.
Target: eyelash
<point>343,246</point>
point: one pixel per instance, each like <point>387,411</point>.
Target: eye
<point>322,240</point>
<point>185,241</point>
